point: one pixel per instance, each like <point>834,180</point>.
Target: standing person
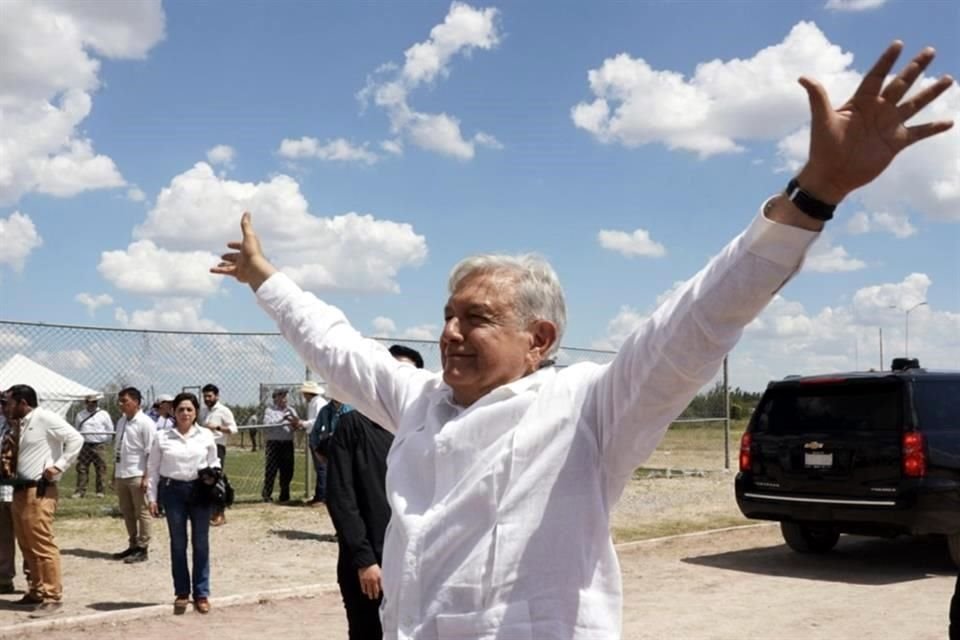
<point>135,434</point>
<point>176,458</point>
<point>47,446</point>
<point>357,501</point>
<point>278,445</point>
<point>505,469</point>
<point>96,427</point>
<point>311,392</point>
<point>164,412</point>
<point>9,438</point>
<point>218,418</point>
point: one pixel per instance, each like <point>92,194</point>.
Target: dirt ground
<point>273,576</point>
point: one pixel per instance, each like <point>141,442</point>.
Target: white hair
<point>539,295</point>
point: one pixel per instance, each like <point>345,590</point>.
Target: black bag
<point>212,488</point>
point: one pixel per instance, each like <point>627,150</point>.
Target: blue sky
<point>378,143</point>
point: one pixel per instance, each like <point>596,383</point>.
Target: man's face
<point>165,408</point>
<point>8,407</point>
<point>280,400</point>
<point>91,405</point>
<point>483,344</point>
<point>128,406</point>
<point>210,399</point>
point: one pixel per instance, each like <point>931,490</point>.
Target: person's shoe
<point>123,555</point>
<point>44,609</point>
<point>140,555</point>
<point>7,588</point>
<point>28,601</point>
<point>202,605</point>
<point>100,494</point>
<point>77,494</point>
<point>218,519</point>
<point>316,504</point>
<point>180,604</point>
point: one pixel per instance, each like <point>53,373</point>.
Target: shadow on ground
<point>294,534</point>
<point>87,553</point>
<point>118,606</point>
<point>855,560</point>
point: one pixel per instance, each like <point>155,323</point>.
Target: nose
<point>451,331</point>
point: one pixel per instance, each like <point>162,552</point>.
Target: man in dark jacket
<point>357,501</point>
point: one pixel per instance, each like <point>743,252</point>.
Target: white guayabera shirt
<point>501,510</point>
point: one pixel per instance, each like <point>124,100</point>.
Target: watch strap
<point>814,208</point>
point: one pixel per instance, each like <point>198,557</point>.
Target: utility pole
<point>726,414</point>
<point>881,348</point>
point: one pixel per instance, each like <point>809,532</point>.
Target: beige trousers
<point>135,510</point>
<point>33,526</point>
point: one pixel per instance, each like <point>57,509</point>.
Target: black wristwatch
<point>814,208</point>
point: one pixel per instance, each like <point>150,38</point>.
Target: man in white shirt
<point>47,446</point>
<point>278,454</point>
<point>217,417</point>
<point>505,469</point>
<point>96,427</point>
<point>135,434</point>
<point>164,417</point>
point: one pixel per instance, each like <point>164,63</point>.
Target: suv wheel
<point>812,538</point>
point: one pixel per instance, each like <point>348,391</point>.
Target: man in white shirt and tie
<point>135,434</point>
<point>96,427</point>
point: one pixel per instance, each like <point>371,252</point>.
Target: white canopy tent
<point>54,391</point>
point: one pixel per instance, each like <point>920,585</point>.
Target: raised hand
<point>852,145</point>
<point>247,262</point>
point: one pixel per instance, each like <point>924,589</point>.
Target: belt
<point>23,485</point>
<point>166,482</point>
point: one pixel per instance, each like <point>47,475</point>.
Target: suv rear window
<point>833,407</point>
<point>937,403</point>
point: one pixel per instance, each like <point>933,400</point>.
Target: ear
<point>543,336</point>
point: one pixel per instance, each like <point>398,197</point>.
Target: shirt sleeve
<point>342,496</point>
<point>361,370</point>
<point>70,440</point>
<point>661,366</point>
<point>212,459</point>
<point>228,420</point>
<point>153,469</point>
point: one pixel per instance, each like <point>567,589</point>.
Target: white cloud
<point>825,257</point>
<point>66,359</point>
<point>148,269</point>
<point>896,224</point>
<point>13,340</point>
<point>221,154</point>
<point>384,327</point>
<point>47,76</point>
<point>136,194</point>
<point>463,30</point>
<point>352,251</point>
<point>339,150</point>
<point>92,302</point>
<point>637,243</point>
<point>854,5</point>
<point>789,339</point>
<point>393,146</point>
<point>18,237</point>
<point>175,314</point>
<point>723,104</point>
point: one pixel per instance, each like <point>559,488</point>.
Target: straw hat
<point>311,387</point>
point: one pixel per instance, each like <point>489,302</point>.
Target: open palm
<point>852,145</point>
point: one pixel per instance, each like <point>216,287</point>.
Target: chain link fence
<point>63,362</point>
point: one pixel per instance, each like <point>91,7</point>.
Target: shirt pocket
<point>507,621</point>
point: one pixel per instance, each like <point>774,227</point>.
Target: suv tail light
<point>914,457</point>
<point>745,452</point>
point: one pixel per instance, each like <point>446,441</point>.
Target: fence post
<point>726,415</point>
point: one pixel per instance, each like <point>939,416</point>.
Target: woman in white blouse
<point>176,457</point>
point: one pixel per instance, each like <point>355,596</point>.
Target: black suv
<point>865,453</point>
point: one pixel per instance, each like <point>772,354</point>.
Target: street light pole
<point>906,328</point>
